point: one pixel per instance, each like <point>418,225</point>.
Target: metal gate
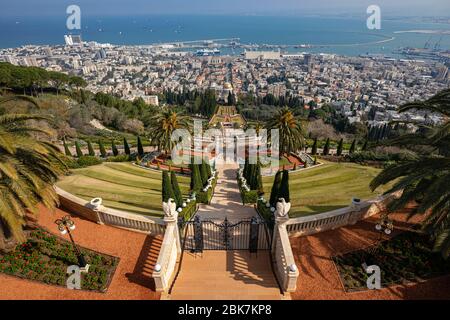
<point>198,235</point>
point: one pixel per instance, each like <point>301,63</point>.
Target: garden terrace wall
<point>108,216</point>
<point>330,220</point>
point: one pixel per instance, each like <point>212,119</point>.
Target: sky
<point>18,8</point>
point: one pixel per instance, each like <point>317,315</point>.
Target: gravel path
<point>132,281</point>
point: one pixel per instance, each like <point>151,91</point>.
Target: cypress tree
<point>252,176</point>
<point>326,148</point>
<point>78,149</point>
<point>102,149</point>
<point>167,191</point>
<point>340,147</point>
<point>208,169</point>
<point>364,147</point>
<point>314,147</point>
<point>245,172</point>
<point>203,173</point>
<point>315,160</point>
<point>275,189</point>
<point>258,180</point>
<point>284,187</point>
<point>126,147</point>
<point>66,148</point>
<point>114,149</point>
<point>352,147</point>
<point>91,149</point>
<point>140,148</point>
<point>196,180</point>
<point>176,189</point>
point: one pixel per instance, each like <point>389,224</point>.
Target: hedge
<point>265,212</point>
<point>206,196</point>
<point>247,196</point>
<point>189,211</point>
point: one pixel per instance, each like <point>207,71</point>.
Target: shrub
<point>87,161</point>
<point>189,211</point>
<point>249,196</point>
<point>265,213</point>
<point>204,197</point>
<point>119,158</point>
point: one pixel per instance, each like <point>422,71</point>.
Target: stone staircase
<point>226,275</point>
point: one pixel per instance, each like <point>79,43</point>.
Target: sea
<point>340,35</point>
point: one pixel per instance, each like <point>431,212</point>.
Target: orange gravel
<point>132,280</point>
<point>319,278</point>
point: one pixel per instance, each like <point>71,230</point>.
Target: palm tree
<point>28,169</point>
<point>162,126</point>
<point>425,179</point>
<point>290,131</point>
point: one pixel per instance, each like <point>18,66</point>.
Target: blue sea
<point>336,33</point>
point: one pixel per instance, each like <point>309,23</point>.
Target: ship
<point>303,45</point>
<point>207,52</point>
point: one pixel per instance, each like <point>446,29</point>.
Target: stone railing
<point>285,268</point>
<point>169,255</point>
<point>338,218</point>
<point>108,216</point>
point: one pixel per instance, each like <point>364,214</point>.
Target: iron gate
<point>199,235</point>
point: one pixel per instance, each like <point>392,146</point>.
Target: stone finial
<point>282,208</point>
<point>170,209</point>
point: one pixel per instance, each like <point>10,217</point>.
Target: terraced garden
<point>327,187</point>
<point>121,186</point>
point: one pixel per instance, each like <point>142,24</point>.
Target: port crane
<point>427,44</point>
<point>438,44</point>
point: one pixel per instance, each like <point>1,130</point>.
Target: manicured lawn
<point>121,186</point>
<point>45,258</point>
<point>405,258</point>
<point>327,187</point>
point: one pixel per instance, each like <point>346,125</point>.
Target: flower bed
<point>405,258</point>
<point>45,258</point>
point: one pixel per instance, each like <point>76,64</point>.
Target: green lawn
<point>121,186</point>
<point>327,187</point>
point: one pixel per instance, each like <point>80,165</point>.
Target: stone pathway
<point>226,275</point>
<point>227,200</point>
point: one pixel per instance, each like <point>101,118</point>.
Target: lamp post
<point>66,225</point>
<point>385,225</point>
